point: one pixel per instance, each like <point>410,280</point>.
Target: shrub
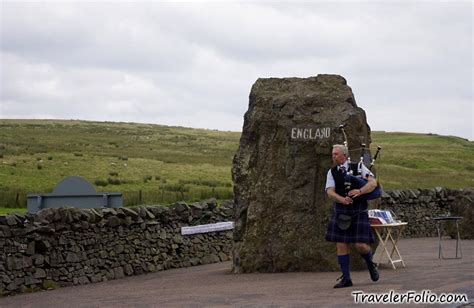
<point>101,183</point>
<point>113,173</point>
<point>78,154</point>
<point>39,167</point>
<point>114,181</point>
<point>50,284</point>
<point>50,157</point>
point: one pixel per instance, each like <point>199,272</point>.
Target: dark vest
<point>339,178</point>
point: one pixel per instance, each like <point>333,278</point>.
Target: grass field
<point>8,210</point>
<point>161,164</point>
<point>422,161</point>
<point>148,163</point>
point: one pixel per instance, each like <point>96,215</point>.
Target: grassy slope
<point>171,163</point>
<point>422,161</point>
<point>166,163</point>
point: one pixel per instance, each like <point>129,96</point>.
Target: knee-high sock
<point>368,258</point>
<point>345,265</point>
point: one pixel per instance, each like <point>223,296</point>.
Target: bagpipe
<point>357,181</point>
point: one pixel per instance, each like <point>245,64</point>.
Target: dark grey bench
<point>73,191</point>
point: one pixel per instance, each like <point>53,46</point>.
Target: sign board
<point>220,226</point>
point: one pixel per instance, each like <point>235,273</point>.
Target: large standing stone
<point>280,168</point>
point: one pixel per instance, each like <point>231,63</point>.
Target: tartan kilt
<point>359,231</point>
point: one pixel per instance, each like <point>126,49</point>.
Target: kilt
<point>359,231</point>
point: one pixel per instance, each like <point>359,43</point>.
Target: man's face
<point>338,157</point>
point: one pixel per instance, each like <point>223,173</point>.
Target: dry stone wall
<point>68,246</point>
<point>62,247</point>
<point>419,206</point>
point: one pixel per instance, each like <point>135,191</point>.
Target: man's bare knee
<point>342,248</point>
<point>362,247</point>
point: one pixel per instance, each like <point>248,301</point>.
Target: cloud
<point>193,64</point>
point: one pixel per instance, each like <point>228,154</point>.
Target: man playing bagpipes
<point>350,185</point>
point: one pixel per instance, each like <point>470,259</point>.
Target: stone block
<point>72,257</point>
<point>280,169</point>
<point>39,273</point>
<point>30,280</point>
<point>128,269</point>
<point>96,278</point>
<point>118,272</point>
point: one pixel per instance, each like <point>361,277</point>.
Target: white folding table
<point>388,236</point>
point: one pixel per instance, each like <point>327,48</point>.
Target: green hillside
<point>161,164</point>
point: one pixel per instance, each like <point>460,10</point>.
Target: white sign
<point>220,226</point>
<point>310,133</point>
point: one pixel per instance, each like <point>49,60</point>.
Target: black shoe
<point>374,273</point>
<point>343,283</point>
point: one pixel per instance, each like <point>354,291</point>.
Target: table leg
<point>439,241</point>
<point>440,248</point>
<point>383,238</point>
<point>398,233</point>
<point>382,243</point>
<point>457,241</point>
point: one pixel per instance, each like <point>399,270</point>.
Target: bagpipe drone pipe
<point>352,181</point>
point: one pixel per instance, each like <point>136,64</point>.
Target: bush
<point>78,154</point>
<point>39,167</point>
<point>50,157</point>
<point>101,183</point>
<point>113,173</point>
<point>50,285</point>
<point>113,181</point>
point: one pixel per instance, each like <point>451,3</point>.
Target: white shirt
<point>364,171</point>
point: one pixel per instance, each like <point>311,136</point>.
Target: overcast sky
<point>409,63</point>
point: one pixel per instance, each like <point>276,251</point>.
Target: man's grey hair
<point>343,149</point>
